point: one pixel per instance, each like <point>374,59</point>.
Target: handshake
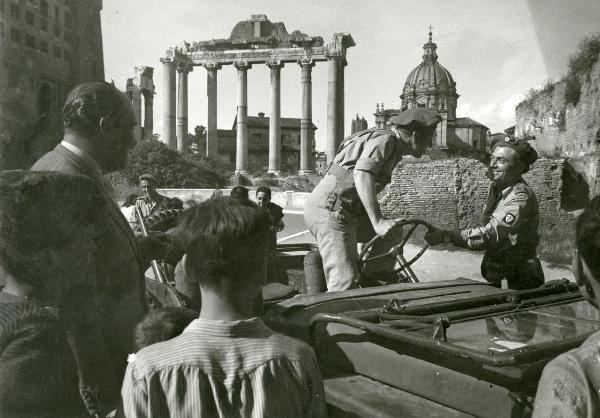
<point>437,236</point>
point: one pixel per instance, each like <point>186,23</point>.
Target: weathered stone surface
<point>452,193</point>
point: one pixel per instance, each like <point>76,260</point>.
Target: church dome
<point>430,85</point>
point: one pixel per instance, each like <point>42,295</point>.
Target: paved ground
<point>434,265</point>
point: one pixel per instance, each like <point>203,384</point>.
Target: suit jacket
<point>119,299</point>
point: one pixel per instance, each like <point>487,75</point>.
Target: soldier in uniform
<point>510,234</point>
<point>151,201</point>
<point>343,209</point>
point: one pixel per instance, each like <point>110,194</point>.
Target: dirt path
<point>440,265</point>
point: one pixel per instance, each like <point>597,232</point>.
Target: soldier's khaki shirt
<point>375,150</point>
<point>512,225</point>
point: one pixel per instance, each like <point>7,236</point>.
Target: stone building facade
<point>46,48</point>
<point>258,144</point>
<point>430,85</point>
<point>452,193</point>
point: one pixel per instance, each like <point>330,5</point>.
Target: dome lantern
<point>430,85</point>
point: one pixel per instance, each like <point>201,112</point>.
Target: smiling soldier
<point>510,236</point>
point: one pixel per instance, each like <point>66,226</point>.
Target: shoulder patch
<point>509,218</point>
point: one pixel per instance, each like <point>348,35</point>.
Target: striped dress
<point>224,369</point>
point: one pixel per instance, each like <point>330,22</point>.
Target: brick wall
<point>566,131</point>
<point>452,193</point>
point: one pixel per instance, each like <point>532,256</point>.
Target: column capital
<point>212,66</point>
<point>242,65</point>
<point>184,67</point>
<point>306,63</point>
<point>167,60</point>
<point>274,64</point>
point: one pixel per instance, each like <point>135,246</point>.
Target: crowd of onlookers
<point>76,337</point>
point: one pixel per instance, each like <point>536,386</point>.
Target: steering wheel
<point>403,272</point>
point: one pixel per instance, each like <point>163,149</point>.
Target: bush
<point>171,169</point>
<point>296,184</point>
<point>572,90</point>
<point>580,66</point>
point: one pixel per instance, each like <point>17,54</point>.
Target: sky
<point>496,51</point>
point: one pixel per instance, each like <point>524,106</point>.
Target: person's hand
<point>383,227</point>
<point>435,236</point>
<point>154,246</point>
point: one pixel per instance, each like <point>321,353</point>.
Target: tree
<point>170,168</point>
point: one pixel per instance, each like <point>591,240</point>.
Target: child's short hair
<point>40,211</point>
<point>224,238</point>
<point>161,325</point>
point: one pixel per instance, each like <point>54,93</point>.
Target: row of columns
<point>176,111</point>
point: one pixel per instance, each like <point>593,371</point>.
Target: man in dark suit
<point>99,122</point>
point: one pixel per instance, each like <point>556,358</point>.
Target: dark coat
<point>38,377</point>
<point>119,298</point>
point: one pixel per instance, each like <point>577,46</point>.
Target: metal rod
<point>156,269</point>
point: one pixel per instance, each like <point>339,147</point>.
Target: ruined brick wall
<point>452,193</point>
<point>564,130</point>
<point>560,129</point>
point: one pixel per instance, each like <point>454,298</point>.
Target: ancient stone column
<point>135,96</point>
<point>275,119</point>
<point>341,66</point>
<point>333,112</point>
<point>211,117</point>
<point>241,148</point>
<point>306,120</point>
<point>148,114</point>
<point>145,76</point>
<point>169,82</point>
<point>182,105</point>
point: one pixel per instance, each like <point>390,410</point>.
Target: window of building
<point>66,55</point>
<point>15,11</point>
<point>57,30</point>
<point>2,30</point>
<point>44,25</point>
<point>475,144</point>
<point>29,17</point>
<point>1,6</point>
<point>29,40</point>
<point>44,46</point>
<point>57,52</point>
<point>56,12</point>
<point>15,35</point>
<point>44,7</point>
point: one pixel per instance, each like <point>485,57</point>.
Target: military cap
<point>147,177</point>
<point>524,150</point>
<point>416,118</point>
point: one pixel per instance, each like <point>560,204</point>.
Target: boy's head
<point>161,325</point>
<point>226,241</point>
<point>239,192</point>
<point>46,229</point>
<point>263,196</point>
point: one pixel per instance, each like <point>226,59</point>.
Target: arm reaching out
<point>367,192</point>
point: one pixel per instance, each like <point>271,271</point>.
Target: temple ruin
<point>254,42</point>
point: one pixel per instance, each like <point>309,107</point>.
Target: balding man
<point>99,122</point>
<point>510,234</point>
<point>347,195</point>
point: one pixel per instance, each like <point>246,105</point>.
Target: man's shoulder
<point>275,208</point>
<point>55,161</point>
